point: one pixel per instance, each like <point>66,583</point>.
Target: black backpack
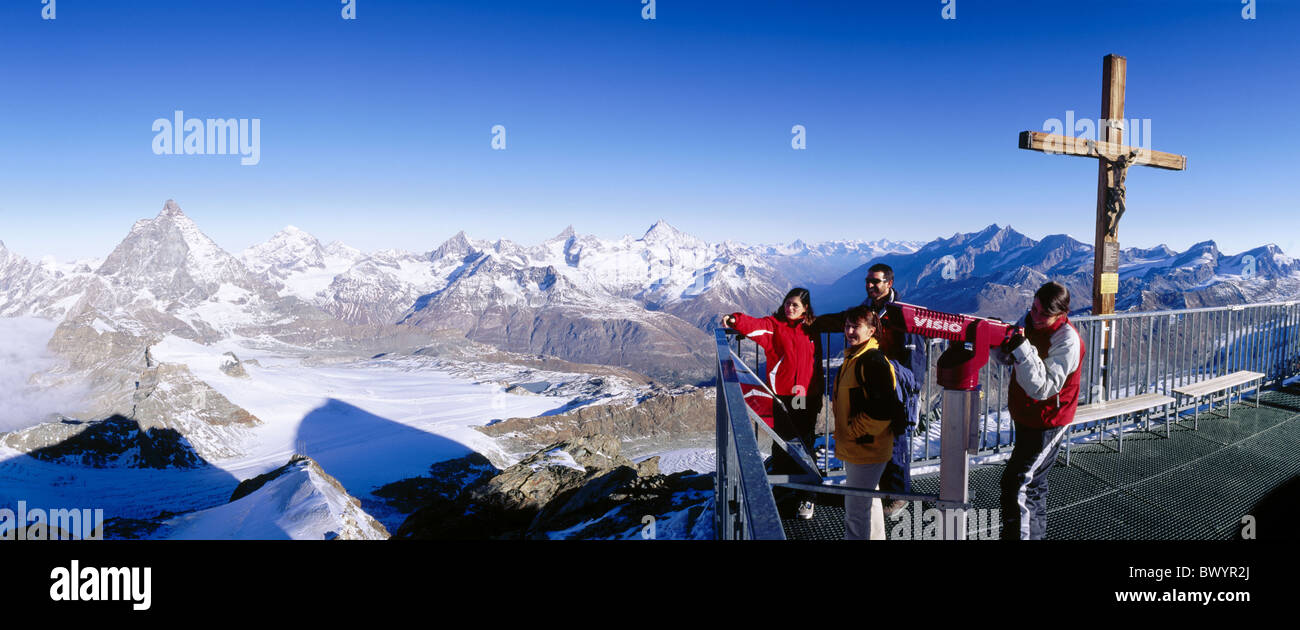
<point>878,395</point>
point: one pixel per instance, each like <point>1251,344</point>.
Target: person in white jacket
<point>1042,400</point>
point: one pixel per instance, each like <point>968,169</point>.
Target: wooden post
<point>1106,257</point>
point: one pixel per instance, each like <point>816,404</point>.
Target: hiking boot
<point>892,507</point>
<point>805,511</point>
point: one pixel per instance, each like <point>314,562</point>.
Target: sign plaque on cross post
<point>1114,158</point>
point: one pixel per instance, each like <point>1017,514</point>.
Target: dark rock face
<point>115,442</point>
<point>578,488</point>
<point>249,486</point>
<point>231,366</point>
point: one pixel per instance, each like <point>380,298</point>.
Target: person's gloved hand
<point>1012,344</point>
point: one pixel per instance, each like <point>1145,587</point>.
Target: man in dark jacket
<point>909,351</point>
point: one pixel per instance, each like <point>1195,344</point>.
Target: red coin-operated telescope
<point>958,371</point>
<point>971,338</point>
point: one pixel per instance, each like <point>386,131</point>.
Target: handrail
<point>1179,311</point>
<point>744,506</point>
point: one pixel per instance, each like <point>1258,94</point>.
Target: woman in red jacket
<point>791,374</point>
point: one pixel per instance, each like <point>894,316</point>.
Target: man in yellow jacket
<point>864,402</point>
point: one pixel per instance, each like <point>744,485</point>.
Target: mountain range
<point>994,273</point>
<point>573,303</point>
<point>644,303</point>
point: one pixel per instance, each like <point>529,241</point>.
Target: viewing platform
<point>1194,486</point>
<point>1173,479</point>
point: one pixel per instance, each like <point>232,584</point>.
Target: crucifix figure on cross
<point>1115,194</point>
<point>1114,159</point>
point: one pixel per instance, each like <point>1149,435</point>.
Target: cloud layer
<point>23,354</point>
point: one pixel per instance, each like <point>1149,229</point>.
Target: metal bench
<point>1098,411</point>
<point>1205,388</point>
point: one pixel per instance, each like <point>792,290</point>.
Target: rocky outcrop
<point>111,443</point>
<point>169,396</point>
<point>578,488</point>
<point>231,366</point>
<point>668,414</point>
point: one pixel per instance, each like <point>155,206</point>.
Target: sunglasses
<point>875,280</point>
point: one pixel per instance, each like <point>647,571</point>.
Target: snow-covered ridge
<point>662,267</point>
<point>298,501</point>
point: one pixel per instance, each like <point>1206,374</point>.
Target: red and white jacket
<point>1045,390</point>
<point>789,351</point>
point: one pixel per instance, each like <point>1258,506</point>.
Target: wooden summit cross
<point>1114,159</point>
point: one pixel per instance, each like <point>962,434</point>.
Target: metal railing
<point>1148,352</point>
<point>1127,354</point>
<point>744,508</point>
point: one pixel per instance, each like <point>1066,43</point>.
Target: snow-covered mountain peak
<point>290,248</point>
<point>171,209</point>
<point>201,248</point>
<point>457,246</point>
<point>172,258</point>
<point>339,249</point>
<point>662,232</point>
<point>564,235</point>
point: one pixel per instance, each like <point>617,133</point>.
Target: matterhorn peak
<point>564,235</point>
<point>171,209</point>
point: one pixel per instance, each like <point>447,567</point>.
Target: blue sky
<point>377,131</point>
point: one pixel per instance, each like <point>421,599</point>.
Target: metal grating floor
<point>1194,485</point>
